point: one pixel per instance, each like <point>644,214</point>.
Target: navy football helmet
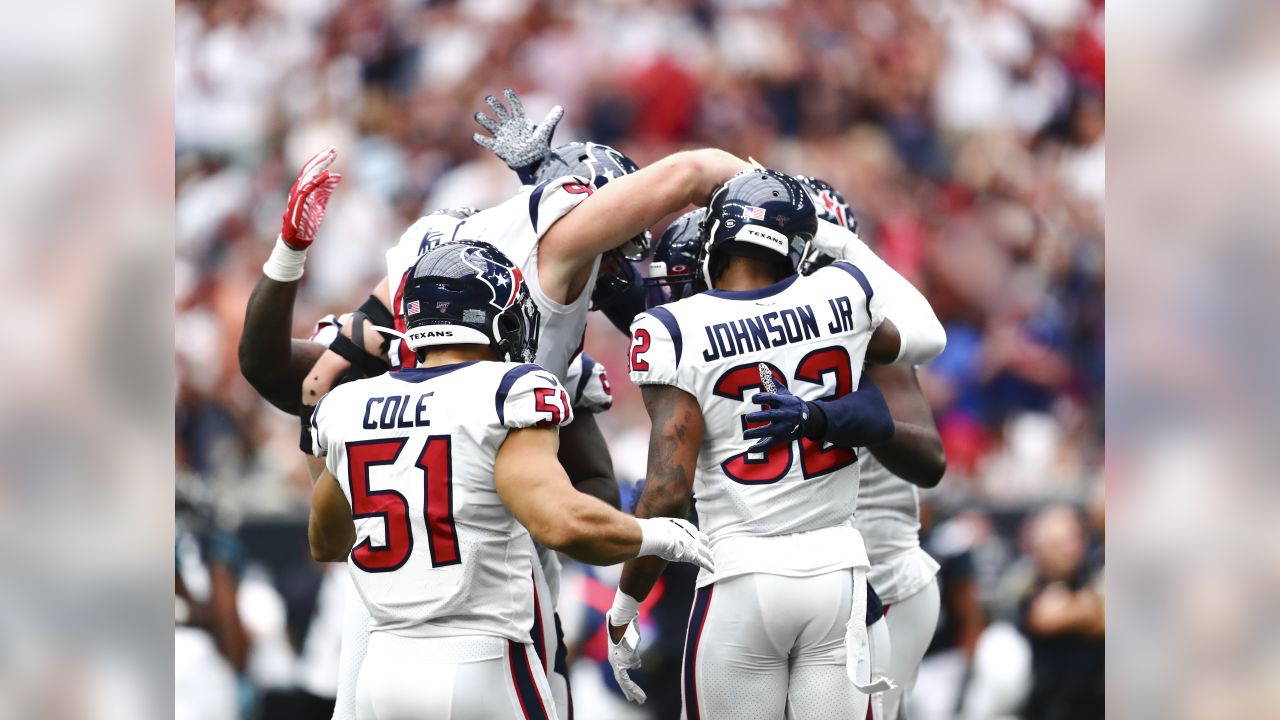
<point>831,205</point>
<point>468,292</point>
<point>757,213</point>
<point>833,208</point>
<point>599,164</point>
<point>673,273</point>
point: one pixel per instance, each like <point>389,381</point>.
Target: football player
<point>902,574</point>
<point>780,515</point>
<point>427,492</point>
<point>888,515</point>
<point>557,231</point>
<point>888,510</point>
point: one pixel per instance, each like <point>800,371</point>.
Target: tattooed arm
<point>674,442</point>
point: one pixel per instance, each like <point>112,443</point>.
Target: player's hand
<point>786,420</point>
<point>675,541</point>
<point>308,199</point>
<point>515,140</point>
<point>625,655</point>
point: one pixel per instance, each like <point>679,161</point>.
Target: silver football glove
<point>515,140</point>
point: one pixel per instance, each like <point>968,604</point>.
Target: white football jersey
<point>889,519</point>
<point>437,553</point>
<point>515,227</point>
<point>812,331</point>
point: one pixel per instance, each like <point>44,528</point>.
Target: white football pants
<point>768,646</point>
<point>475,677</point>
<point>912,623</point>
<point>548,644</point>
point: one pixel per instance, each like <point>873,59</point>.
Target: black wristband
<point>815,428</point>
<point>364,361</point>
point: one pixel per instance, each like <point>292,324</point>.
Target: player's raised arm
<point>270,358</point>
<point>536,490</point>
<point>911,333</point>
<point>628,205</point>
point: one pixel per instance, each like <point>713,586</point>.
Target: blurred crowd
<point>966,134</point>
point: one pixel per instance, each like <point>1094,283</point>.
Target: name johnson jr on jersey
<point>774,329</point>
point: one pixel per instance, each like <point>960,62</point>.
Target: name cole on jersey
<point>436,551</point>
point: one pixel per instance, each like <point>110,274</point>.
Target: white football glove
<point>625,654</point>
<point>674,540</point>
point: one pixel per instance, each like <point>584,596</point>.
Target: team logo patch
<point>504,281</point>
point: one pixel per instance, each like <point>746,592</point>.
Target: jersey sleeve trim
<point>588,364</point>
<point>668,320</point>
<point>535,199</point>
<point>504,387</point>
<point>319,448</point>
<point>857,275</point>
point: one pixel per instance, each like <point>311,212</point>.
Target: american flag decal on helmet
<point>752,212</point>
<point>412,307</point>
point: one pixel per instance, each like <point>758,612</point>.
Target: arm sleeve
<point>923,337</point>
<point>858,418</point>
<point>588,385</point>
<point>529,396</point>
<point>656,346</point>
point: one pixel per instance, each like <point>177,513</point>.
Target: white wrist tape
<point>625,608</point>
<point>652,538</point>
<point>285,263</point>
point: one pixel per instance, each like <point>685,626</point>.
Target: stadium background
<point>967,135</point>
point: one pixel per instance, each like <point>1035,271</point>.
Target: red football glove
<point>307,200</point>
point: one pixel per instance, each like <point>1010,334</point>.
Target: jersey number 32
<point>773,464</point>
